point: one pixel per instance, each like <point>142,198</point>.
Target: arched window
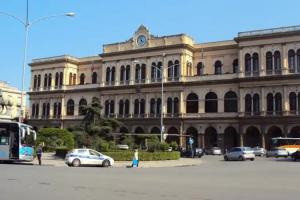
<point>37,109</point>
<point>256,109</point>
<point>137,72</point>
<point>176,69</point>
<point>270,103</point>
<point>55,110</point>
<point>298,60</point>
<point>70,107</point>
<point>70,79</point>
<point>32,110</point>
<point>56,79</point>
<point>152,106</point>
<point>35,82</point>
<point>143,72</point>
<point>59,109</point>
<point>39,81</point>
<point>153,71</point>
<point>82,79</point>
<point>106,107</point>
<point>127,77</point>
<point>49,80</point>
<point>211,102</point>
<point>136,107</point>
<point>112,107</point>
<point>158,71</point>
<point>278,103</point>
<point>291,60</point>
<point>192,103</point>
<point>189,69</point>
<point>142,106</point>
<point>81,110</point>
<point>169,105</point>
<point>107,75</point>
<point>248,64</point>
<point>269,62</point>
<point>45,80</point>
<point>127,107</point>
<point>218,67</point>
<point>235,66</point>
<point>230,102</point>
<point>113,72</point>
<point>170,69</point>
<point>48,110</point>
<point>255,63</point>
<point>94,78</point>
<point>158,106</point>
<point>293,102</point>
<point>122,73</point>
<point>277,62</point>
<point>61,78</point>
<point>74,79</point>
<point>200,69</point>
<point>248,104</point>
<point>121,107</point>
<point>44,110</point>
<point>176,105</point>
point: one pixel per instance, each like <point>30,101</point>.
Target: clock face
<point>141,40</point>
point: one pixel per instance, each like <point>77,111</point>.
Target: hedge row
<point>144,156</point>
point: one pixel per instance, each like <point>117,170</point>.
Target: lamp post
<point>161,70</point>
<point>27,24</point>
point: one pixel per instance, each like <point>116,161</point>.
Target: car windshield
<point>247,149</point>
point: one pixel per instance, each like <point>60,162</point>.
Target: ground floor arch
<point>295,132</point>
<point>172,138</point>
<point>210,137</point>
<point>252,137</point>
<point>273,131</point>
<point>191,131</point>
<point>231,138</point>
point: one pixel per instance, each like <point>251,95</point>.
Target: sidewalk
<point>49,159</point>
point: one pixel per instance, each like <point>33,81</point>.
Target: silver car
<point>277,152</point>
<point>239,153</point>
<point>213,151</point>
<point>259,151</point>
<point>78,157</point>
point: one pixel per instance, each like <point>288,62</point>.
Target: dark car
<point>295,156</point>
<point>199,152</point>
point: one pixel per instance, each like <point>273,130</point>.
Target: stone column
<point>203,140</point>
<point>241,139</point>
<point>262,59</point>
<point>220,141</point>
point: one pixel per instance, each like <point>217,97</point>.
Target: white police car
<point>78,157</point>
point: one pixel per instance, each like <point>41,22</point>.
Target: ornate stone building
<point>237,92</point>
<point>10,101</point>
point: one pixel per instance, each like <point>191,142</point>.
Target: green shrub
<point>143,155</point>
<point>174,145</point>
<point>61,152</point>
<point>53,138</point>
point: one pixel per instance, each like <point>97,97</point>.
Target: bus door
<point>4,143</point>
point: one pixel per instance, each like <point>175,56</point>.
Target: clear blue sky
<point>99,22</point>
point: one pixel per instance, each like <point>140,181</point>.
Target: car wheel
<point>76,163</point>
<point>252,159</point>
<point>105,163</point>
<point>225,158</point>
<point>241,158</point>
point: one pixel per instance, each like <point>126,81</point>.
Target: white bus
<point>291,145</point>
<point>16,141</point>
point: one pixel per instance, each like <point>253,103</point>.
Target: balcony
<point>212,77</point>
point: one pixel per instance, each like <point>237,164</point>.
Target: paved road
<point>213,179</point>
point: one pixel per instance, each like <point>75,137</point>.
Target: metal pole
<point>24,62</point>
<point>162,105</point>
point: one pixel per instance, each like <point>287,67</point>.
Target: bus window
<point>4,137</point>
<point>28,140</point>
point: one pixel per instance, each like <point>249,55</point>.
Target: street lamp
<point>162,128</point>
<point>27,24</point>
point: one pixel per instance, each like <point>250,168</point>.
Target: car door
<point>235,153</point>
<point>231,154</point>
<point>94,157</point>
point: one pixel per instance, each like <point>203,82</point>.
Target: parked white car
<point>277,152</point>
<point>79,157</point>
<point>259,151</point>
<point>239,153</point>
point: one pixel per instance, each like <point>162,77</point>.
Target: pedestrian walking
<point>135,159</point>
<point>39,153</point>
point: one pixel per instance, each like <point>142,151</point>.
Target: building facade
<point>10,101</point>
<point>238,92</point>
